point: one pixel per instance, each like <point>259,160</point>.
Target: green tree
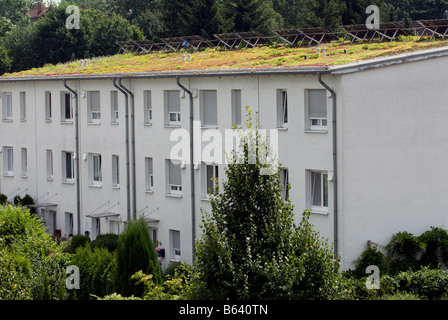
<point>250,247</point>
<point>322,13</point>
<point>253,15</point>
<point>135,252</point>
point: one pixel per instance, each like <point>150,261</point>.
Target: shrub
<point>3,199</point>
<point>135,252</point>
<point>108,241</point>
<point>30,254</point>
<point>402,252</point>
<point>95,268</point>
<point>435,242</point>
<point>372,256</point>
<point>427,283</point>
<point>77,241</point>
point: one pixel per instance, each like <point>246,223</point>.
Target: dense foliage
<point>135,252</point>
<point>251,247</point>
<point>32,265</point>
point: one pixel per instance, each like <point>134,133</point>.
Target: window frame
<point>170,108</point>
<point>176,252</point>
<point>8,161</point>
<point>206,179</point>
<point>282,108</point>
<point>114,113</point>
<point>24,160</point>
<point>204,108</point>
<point>22,105</point>
<point>322,207</point>
<point>115,171</point>
<point>94,116</point>
<point>321,123</point>
<point>149,174</point>
<point>68,158</point>
<point>7,106</point>
<point>49,161</point>
<point>173,188</point>
<point>48,106</point>
<point>147,105</point>
<point>236,107</point>
<point>95,161</point>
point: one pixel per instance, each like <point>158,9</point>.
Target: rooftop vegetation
<point>279,56</point>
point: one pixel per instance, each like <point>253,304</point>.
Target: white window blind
<point>173,106</point>
<point>317,102</point>
<point>236,107</point>
<point>94,106</point>
<point>209,108</point>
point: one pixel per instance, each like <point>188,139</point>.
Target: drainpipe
<point>134,194</point>
<point>128,185</point>
<point>78,187</point>
<point>335,166</point>
<point>193,216</point>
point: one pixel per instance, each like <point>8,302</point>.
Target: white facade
<point>391,143</point>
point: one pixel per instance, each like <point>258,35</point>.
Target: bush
<point>372,256</point>
<point>135,252</point>
<point>95,268</point>
<point>435,242</point>
<point>427,283</point>
<point>108,241</point>
<point>33,264</point>
<point>402,252</point>
<point>77,241</point>
<point>3,199</point>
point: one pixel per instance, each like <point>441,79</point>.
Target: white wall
<point>394,147</point>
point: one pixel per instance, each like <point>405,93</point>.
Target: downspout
<point>128,184</point>
<point>193,209</point>
<point>134,194</point>
<point>78,186</point>
<point>335,166</point>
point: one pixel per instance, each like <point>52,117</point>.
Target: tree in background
<point>135,252</point>
<point>253,15</point>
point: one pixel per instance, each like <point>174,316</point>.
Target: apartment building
<point>362,145</point>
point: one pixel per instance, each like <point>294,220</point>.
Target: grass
<point>252,58</point>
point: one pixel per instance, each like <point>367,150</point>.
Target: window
<point>210,179</point>
<point>7,105</point>
<point>172,107</point>
<point>115,171</point>
<point>175,244</point>
<point>113,107</point>
<point>236,107</point>
<point>319,191</point>
<point>317,109</point>
<point>24,154</point>
<point>282,109</point>
<point>95,169</point>
<point>49,165</point>
<point>48,110</point>
<point>8,161</point>
<point>68,166</point>
<point>94,108</point>
<point>68,224</point>
<point>66,107</point>
<point>148,106</point>
<point>97,226</point>
<point>174,178</point>
<point>209,108</point>
<point>22,106</point>
<point>149,176</point>
<point>284,176</point>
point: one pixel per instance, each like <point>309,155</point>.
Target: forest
<point>25,45</point>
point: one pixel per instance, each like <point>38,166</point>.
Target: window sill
<point>319,211</point>
<point>49,178</point>
<point>322,131</point>
<point>173,195</point>
<point>24,176</point>
<point>48,121</point>
<point>147,124</point>
<point>8,174</point>
<point>207,199</point>
<point>149,191</point>
<point>7,120</point>
<point>174,260</point>
<point>68,181</point>
<point>22,120</point>
<point>66,122</point>
<point>282,128</point>
<point>116,187</point>
<point>209,126</point>
<point>172,125</point>
<point>96,185</point>
<point>93,123</point>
